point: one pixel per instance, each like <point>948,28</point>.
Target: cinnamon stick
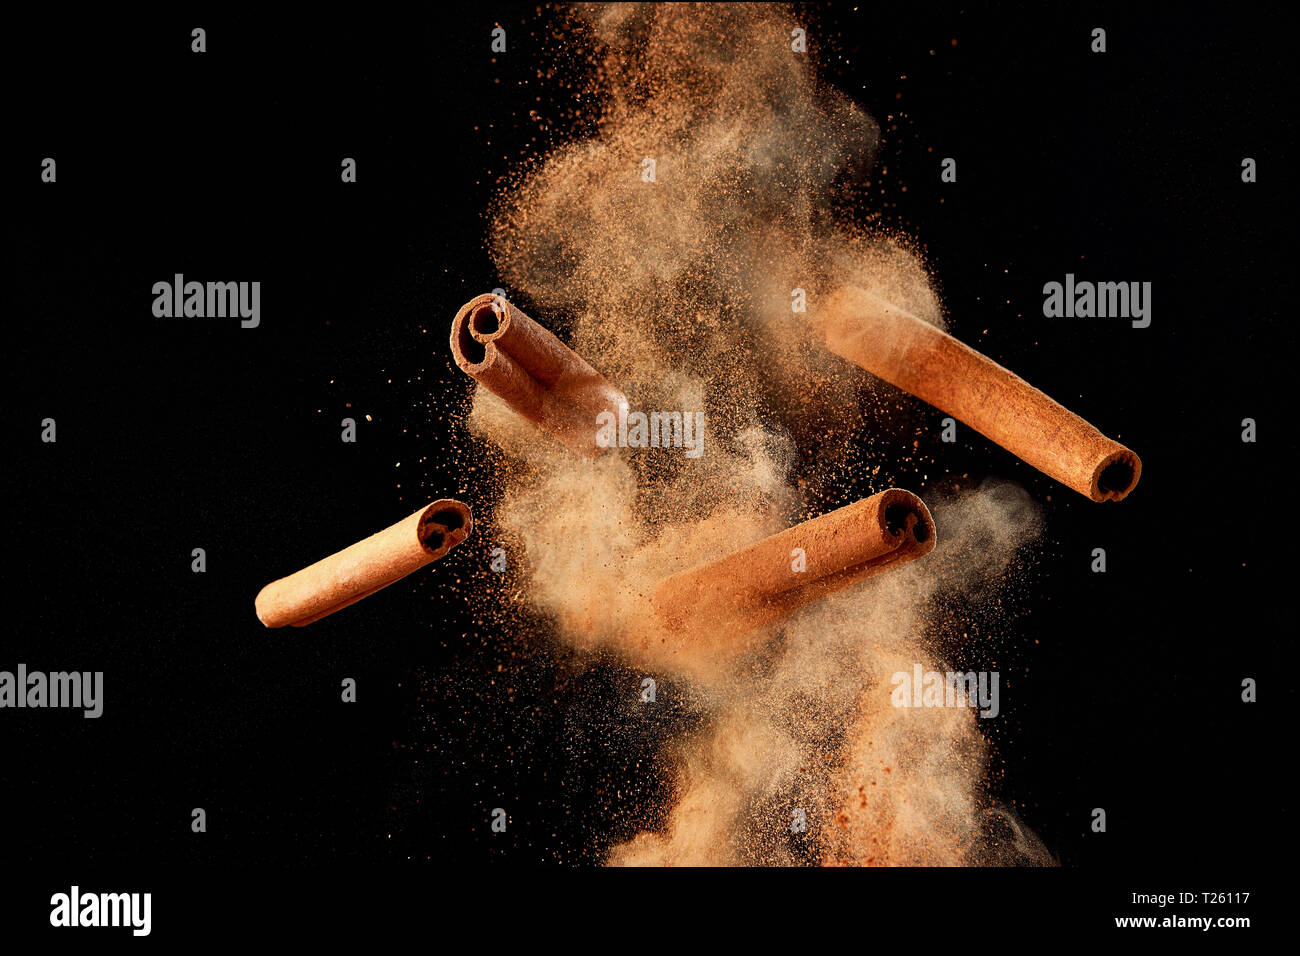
<point>535,373</point>
<point>707,612</point>
<point>935,367</point>
<point>356,572</point>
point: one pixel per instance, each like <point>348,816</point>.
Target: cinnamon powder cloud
<point>678,289</point>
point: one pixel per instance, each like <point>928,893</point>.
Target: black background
<point>176,434</point>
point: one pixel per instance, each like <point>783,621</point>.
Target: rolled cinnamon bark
<point>356,572</point>
<point>707,612</point>
<point>932,365</point>
<point>535,373</point>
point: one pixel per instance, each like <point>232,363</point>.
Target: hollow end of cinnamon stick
<point>443,525</point>
<point>478,322</point>
<point>903,514</point>
<point>1115,476</point>
<point>360,570</point>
